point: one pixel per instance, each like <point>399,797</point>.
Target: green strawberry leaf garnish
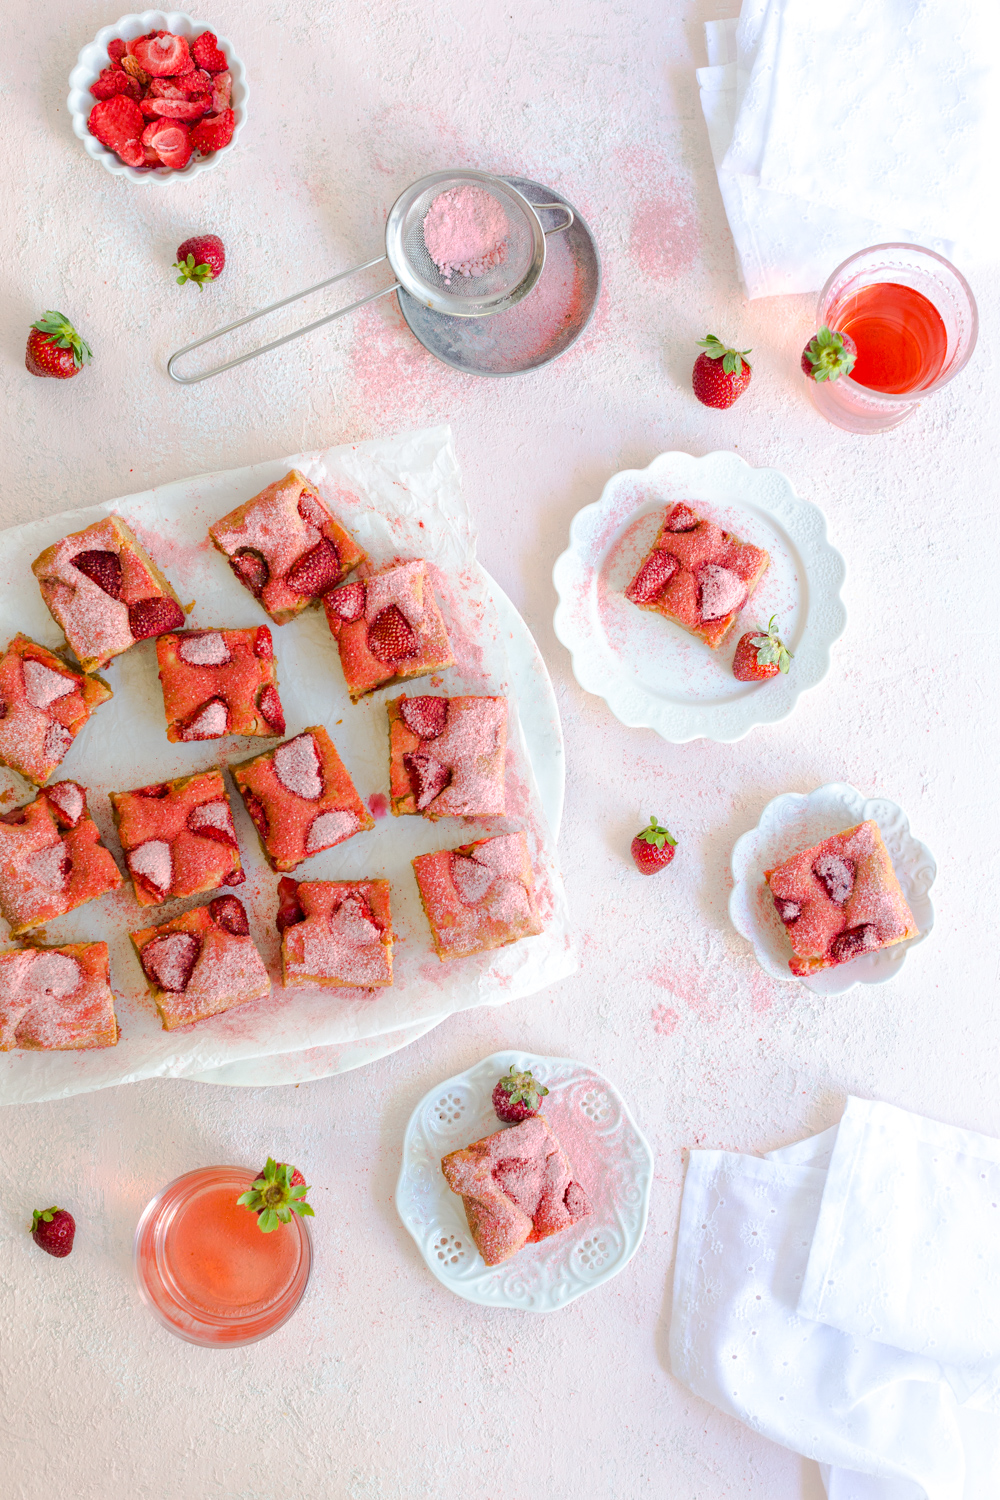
<point>656,835</point>
<point>60,331</point>
<point>771,650</point>
<point>521,1088</point>
<point>46,1215</point>
<point>274,1199</point>
<point>828,356</point>
<point>190,272</point>
<point>733,360</point>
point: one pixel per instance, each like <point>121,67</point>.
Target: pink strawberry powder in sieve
<point>465,230</point>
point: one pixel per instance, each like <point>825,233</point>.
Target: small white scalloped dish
<point>651,673</point>
<point>94,57</point>
<point>792,822</point>
<point>610,1157</point>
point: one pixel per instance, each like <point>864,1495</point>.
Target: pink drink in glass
<point>207,1272</point>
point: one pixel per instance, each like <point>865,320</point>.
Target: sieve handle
<point>276,343</point>
<point>563,208</point>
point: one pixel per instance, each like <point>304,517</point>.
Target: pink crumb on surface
<point>465,230</point>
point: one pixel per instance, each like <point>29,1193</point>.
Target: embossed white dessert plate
<point>610,1157</point>
<point>792,822</point>
<point>649,671</point>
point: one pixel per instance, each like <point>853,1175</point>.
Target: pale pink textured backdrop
<point>385,1387</point>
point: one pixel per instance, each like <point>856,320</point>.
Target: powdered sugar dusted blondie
<point>43,706</point>
<point>446,756</point>
<point>478,896</point>
<point>335,933</point>
<point>51,858</point>
<point>218,682</point>
<point>388,628</point>
<point>201,963</point>
<point>57,999</point>
<point>178,837</point>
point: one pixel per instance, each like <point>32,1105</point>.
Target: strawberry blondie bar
<point>478,896</point>
<point>201,963</point>
<point>335,933</point>
<point>52,859</point>
<point>57,999</point>
<point>43,706</point>
<point>218,682</point>
<point>446,756</point>
<point>178,837</point>
<point>388,628</point>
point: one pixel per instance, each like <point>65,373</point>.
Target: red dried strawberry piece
<point>425,717</point>
<point>151,865</point>
<point>170,141</point>
<point>720,591</point>
<point>309,507</point>
<point>681,518</point>
<point>270,706</point>
<point>186,86</point>
<point>235,877</point>
<point>147,36</point>
<point>251,569</point>
<point>112,81</point>
<point>298,767</point>
<point>69,801</point>
<point>427,776</point>
<point>102,568</point>
<point>214,131</point>
<point>169,960</point>
<point>263,646</point>
<point>347,603</point>
<point>210,721</point>
<point>116,50</point>
<point>229,913</point>
<point>222,92</point>
<point>391,638</point>
<point>208,54</point>
<point>180,110</point>
<point>213,820</point>
<point>162,55</point>
<point>788,911</point>
<point>117,124</point>
<point>289,907</point>
<point>836,874</point>
<point>152,157</point>
<point>316,570</point>
<point>255,808</point>
<point>855,940</point>
<point>652,578</point>
<point>158,789</point>
<point>153,616</point>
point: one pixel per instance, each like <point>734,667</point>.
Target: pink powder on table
<point>465,230</point>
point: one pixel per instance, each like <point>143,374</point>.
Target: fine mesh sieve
<point>499,287</point>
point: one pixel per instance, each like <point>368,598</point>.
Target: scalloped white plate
<point>649,671</point>
<point>792,822</point>
<point>94,57</point>
<point>610,1157</point>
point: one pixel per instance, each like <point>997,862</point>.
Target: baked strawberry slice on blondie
<point>388,628</point>
<point>698,575</point>
<point>300,798</point>
<point>219,682</point>
<point>478,896</point>
<point>286,546</point>
<point>57,999</point>
<point>335,933</point>
<point>446,756</point>
<point>201,963</point>
<point>840,899</point>
<point>105,592</point>
<point>43,706</point>
<point>178,837</point>
<point>52,859</point>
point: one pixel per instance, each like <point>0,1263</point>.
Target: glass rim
<point>896,398</point>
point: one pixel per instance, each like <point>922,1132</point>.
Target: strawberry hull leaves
<point>829,355</point>
<point>276,1195</point>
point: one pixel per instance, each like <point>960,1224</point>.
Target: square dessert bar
<point>335,933</point>
<point>286,546</point>
<point>201,963</point>
<point>218,682</point>
<point>478,896</point>
<point>698,575</point>
<point>105,591</point>
<point>517,1187</point>
<point>57,999</point>
<point>43,706</point>
<point>840,899</point>
<point>300,798</point>
<point>446,756</point>
<point>178,837</point>
<point>388,628</point>
<point>51,858</point>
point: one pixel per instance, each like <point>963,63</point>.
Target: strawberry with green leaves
<point>275,1195</point>
<point>720,374</point>
<point>201,258</point>
<point>55,348</point>
<point>760,655</point>
<point>517,1097</point>
<point>653,848</point>
<point>829,355</point>
<point>53,1230</point>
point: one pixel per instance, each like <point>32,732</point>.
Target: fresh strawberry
<point>289,906</point>
<point>390,638</point>
<point>117,124</point>
<point>348,603</point>
<point>102,568</point>
<point>721,375</point>
<point>652,578</point>
<point>251,569</point>
<point>115,81</point>
<point>230,914</point>
<point>316,571</point>
<point>208,54</point>
<point>428,777</point>
<point>116,50</point>
<point>54,346</point>
<point>213,132</point>
<point>517,1097</point>
<point>270,706</point>
<point>52,1230</point>
<point>170,141</point>
<point>162,55</point>
<point>153,616</point>
<point>201,258</point>
<point>424,717</point>
<point>276,1194</point>
<point>829,355</point>
<point>653,848</point>
<point>760,655</point>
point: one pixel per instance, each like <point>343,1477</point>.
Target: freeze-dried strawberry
<point>134,41</point>
<point>152,866</point>
<point>169,141</point>
<point>213,820</point>
<point>263,646</point>
<point>229,913</point>
<point>471,879</point>
<point>720,591</point>
<point>169,960</point>
<point>652,578</point>
<point>289,906</point>
<point>309,507</point>
<point>116,50</point>
<point>152,158</point>
<point>102,568</point>
<point>681,518</point>
<point>316,570</point>
<point>69,802</point>
<point>348,603</point>
<point>153,616</point>
<point>222,92</point>
<point>182,110</point>
<point>425,717</point>
<point>214,131</point>
<point>208,54</point>
<point>206,650</point>
<point>185,86</point>
<point>162,55</point>
<point>113,81</point>
<point>428,777</point>
<point>251,568</point>
<point>117,124</point>
<point>297,767</point>
<point>270,706</point>
<point>330,828</point>
<point>390,637</point>
<point>210,722</point>
<point>43,686</point>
